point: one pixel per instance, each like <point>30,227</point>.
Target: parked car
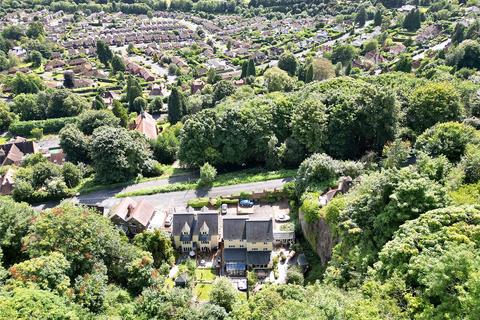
<point>246,203</point>
<point>224,208</point>
<point>282,218</point>
<point>168,221</point>
<point>242,285</point>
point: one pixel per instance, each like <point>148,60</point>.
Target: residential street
<point>173,200</point>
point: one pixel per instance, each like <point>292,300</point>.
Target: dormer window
<point>186,229</point>
<point>204,230</point>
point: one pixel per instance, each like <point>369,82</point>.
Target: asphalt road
<point>179,199</point>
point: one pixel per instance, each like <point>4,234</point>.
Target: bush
<point>208,173</point>
<point>152,169</point>
<point>24,128</point>
<point>37,133</point>
<point>198,203</point>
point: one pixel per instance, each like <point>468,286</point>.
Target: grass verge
<point>226,179</point>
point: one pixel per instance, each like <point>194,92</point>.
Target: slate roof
<point>258,257</point>
<point>211,219</point>
<point>235,255</point>
<point>234,228</point>
<point>259,230</point>
<point>179,220</point>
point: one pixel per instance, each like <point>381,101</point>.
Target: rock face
<point>320,237</point>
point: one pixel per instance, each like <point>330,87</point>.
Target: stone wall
<point>320,237</point>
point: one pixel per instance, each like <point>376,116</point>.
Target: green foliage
<point>295,276</point>
<point>6,116</point>
<point>141,273</point>
<point>121,113</point>
<point>208,173</point>
<point>311,207</point>
<point>71,174</point>
<point>166,146</point>
<point>471,164</point>
<point>396,153</point>
<point>15,219</point>
<point>223,89</point>
<point>134,90</point>
<point>90,120</point>
<point>223,294</point>
<point>75,144</point>
<point>158,244</point>
<point>117,154</point>
<point>47,272</point>
<point>433,103</point>
<point>288,63</point>
<point>309,123</point>
<point>117,64</point>
<point>344,54</point>
<point>104,53</point>
<point>176,106</point>
<point>373,212</point>
<point>449,139</point>
<point>278,80</point>
<point>92,238</point>
<point>24,128</point>
<point>41,305</point>
<point>26,83</point>
<point>91,288</point>
<point>412,21</point>
<point>433,258</point>
<point>320,170</point>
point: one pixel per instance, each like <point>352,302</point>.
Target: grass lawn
<point>226,179</point>
<point>205,274</point>
<point>202,291</point>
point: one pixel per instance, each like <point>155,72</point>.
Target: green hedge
<point>23,128</point>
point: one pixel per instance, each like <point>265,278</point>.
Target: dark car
<point>246,203</point>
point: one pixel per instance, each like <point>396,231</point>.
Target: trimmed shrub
<point>24,128</point>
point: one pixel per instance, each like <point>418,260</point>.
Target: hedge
<point>23,128</point>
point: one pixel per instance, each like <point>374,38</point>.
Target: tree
<point>47,272</point>
<point>309,73</point>
<point>121,113</point>
<point>223,294</point>
<point>15,221</point>
<point>466,55</point>
<point>320,69</point>
<point>458,33</point>
<point>175,106</point>
<point>295,276</point>
<point>75,144</point>
<point>43,172</point>
<point>134,90</point>
<point>223,89</point>
<point>412,20</point>
<point>251,68</point>
<point>4,62</point>
<point>212,76</point>
<point>35,58</point>
<point>71,174</point>
<point>343,53</point>
<point>277,80</point>
<point>471,164</point>
<point>449,139</point>
<point>396,153</point>
<point>41,304</point>
<point>117,64</point>
<point>63,103</point>
<point>378,18</point>
<point>98,103</point>
<point>432,103</point>
<point>141,273</point>
<point>27,108</point>
<point>104,53</point>
<point>361,16</point>
<point>288,63</point>
<point>404,63</point>
<point>139,104</point>
<point>373,212</point>
<point>158,244</point>
<point>117,154</point>
<point>35,30</point>
<point>69,79</point>
<point>26,83</point>
<point>431,258</point>
<point>208,173</point>
<point>6,116</point>
<point>84,237</point>
<point>309,124</point>
<point>91,288</point>
<point>166,146</point>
